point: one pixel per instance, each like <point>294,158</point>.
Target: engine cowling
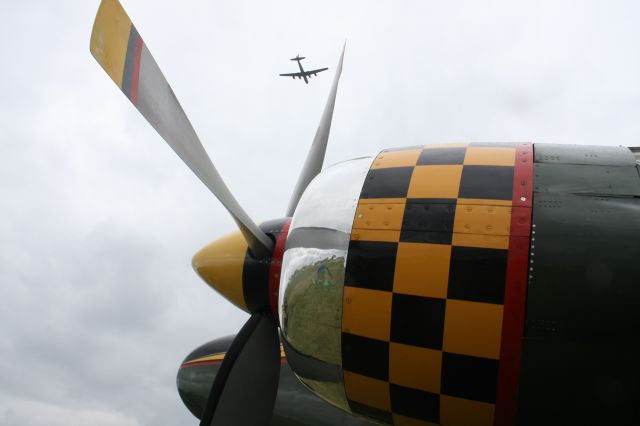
<point>458,284</point>
<point>295,404</point>
<point>406,279</point>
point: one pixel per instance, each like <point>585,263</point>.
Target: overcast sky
<point>99,218</point>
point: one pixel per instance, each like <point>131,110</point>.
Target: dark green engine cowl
<point>581,349</point>
<point>295,404</point>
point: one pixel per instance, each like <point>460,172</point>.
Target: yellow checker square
<point>435,181</point>
<point>367,312</point>
<point>368,391</point>
<point>379,216</point>
<point>404,158</point>
<point>415,367</point>
<point>473,328</point>
<point>399,420</point>
<point>422,269</point>
<point>465,412</point>
<point>482,219</point>
<point>490,156</point>
<point>500,242</point>
<point>384,235</point>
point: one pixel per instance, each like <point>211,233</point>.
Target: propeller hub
<point>228,267</point>
<point>220,264</point>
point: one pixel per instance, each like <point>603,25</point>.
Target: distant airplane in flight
<point>303,74</point>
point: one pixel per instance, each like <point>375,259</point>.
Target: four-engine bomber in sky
<point>303,74</point>
<point>456,284</point>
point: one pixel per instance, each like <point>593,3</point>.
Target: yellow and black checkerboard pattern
<point>424,284</point>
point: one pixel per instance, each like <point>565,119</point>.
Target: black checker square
<point>429,217</point>
<point>415,403</point>
<point>477,274</point>
<point>392,182</point>
<point>425,237</point>
<point>371,264</point>
<point>486,182</point>
<point>442,156</point>
<point>371,412</point>
<point>428,221</point>
<point>364,356</point>
<point>469,377</point>
<point>417,321</point>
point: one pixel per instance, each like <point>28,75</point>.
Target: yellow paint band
<point>220,356</point>
<point>216,357</point>
<point>110,37</point>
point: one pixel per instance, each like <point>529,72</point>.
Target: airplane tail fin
<point>297,58</point>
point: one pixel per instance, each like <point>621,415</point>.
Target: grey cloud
<point>99,219</point>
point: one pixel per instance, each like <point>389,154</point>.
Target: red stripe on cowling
<point>136,72</point>
<point>197,364</point>
<point>523,176</point>
<point>274,270</point>
<point>516,289</point>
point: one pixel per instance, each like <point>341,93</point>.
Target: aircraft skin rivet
<point>523,199</point>
<point>360,216</point>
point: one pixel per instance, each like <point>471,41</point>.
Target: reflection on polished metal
<point>312,278</point>
<point>320,238</point>
<point>311,368</point>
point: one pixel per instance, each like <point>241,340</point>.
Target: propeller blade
<point>315,158</point>
<point>245,388</point>
<point>119,49</point>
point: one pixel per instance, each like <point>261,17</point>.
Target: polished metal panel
<point>312,277</point>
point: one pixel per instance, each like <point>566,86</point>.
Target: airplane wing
<point>315,72</point>
<point>304,74</point>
